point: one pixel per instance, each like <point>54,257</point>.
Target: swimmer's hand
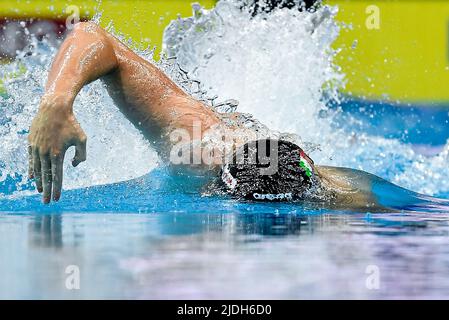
<point>52,132</point>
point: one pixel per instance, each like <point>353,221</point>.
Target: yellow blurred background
<point>143,20</point>
<point>404,58</point>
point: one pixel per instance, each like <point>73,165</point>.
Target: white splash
<point>278,65</point>
<point>116,150</point>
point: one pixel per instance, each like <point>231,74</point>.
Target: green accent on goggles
<point>305,168</point>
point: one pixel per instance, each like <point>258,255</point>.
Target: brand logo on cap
<point>269,196</point>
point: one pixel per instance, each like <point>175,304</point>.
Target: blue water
<point>231,255</point>
<point>426,124</point>
<point>157,237</point>
<point>159,192</point>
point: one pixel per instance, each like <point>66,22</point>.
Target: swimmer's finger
<point>57,163</point>
<point>46,178</point>
<point>80,152</point>
<point>30,163</point>
<point>37,170</point>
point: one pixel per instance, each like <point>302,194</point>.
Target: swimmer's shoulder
<point>347,176</point>
<point>352,188</point>
<point>339,177</point>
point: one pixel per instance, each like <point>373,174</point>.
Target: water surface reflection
<point>224,255</point>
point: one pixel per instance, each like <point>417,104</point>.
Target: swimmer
<point>159,109</point>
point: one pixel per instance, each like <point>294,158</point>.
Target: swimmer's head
<point>269,170</point>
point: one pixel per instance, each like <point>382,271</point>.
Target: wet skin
<point>144,94</point>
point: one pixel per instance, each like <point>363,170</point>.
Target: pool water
<point>124,228</point>
<point>238,254</point>
<point>149,238</point>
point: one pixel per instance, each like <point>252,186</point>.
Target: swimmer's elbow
<point>87,32</point>
<point>87,27</point>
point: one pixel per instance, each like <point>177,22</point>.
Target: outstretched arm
<point>86,55</point>
<point>83,57</point>
<point>146,96</point>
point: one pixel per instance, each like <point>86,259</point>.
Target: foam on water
<point>279,66</point>
<point>116,150</point>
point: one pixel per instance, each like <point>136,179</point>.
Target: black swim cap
<point>270,170</point>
